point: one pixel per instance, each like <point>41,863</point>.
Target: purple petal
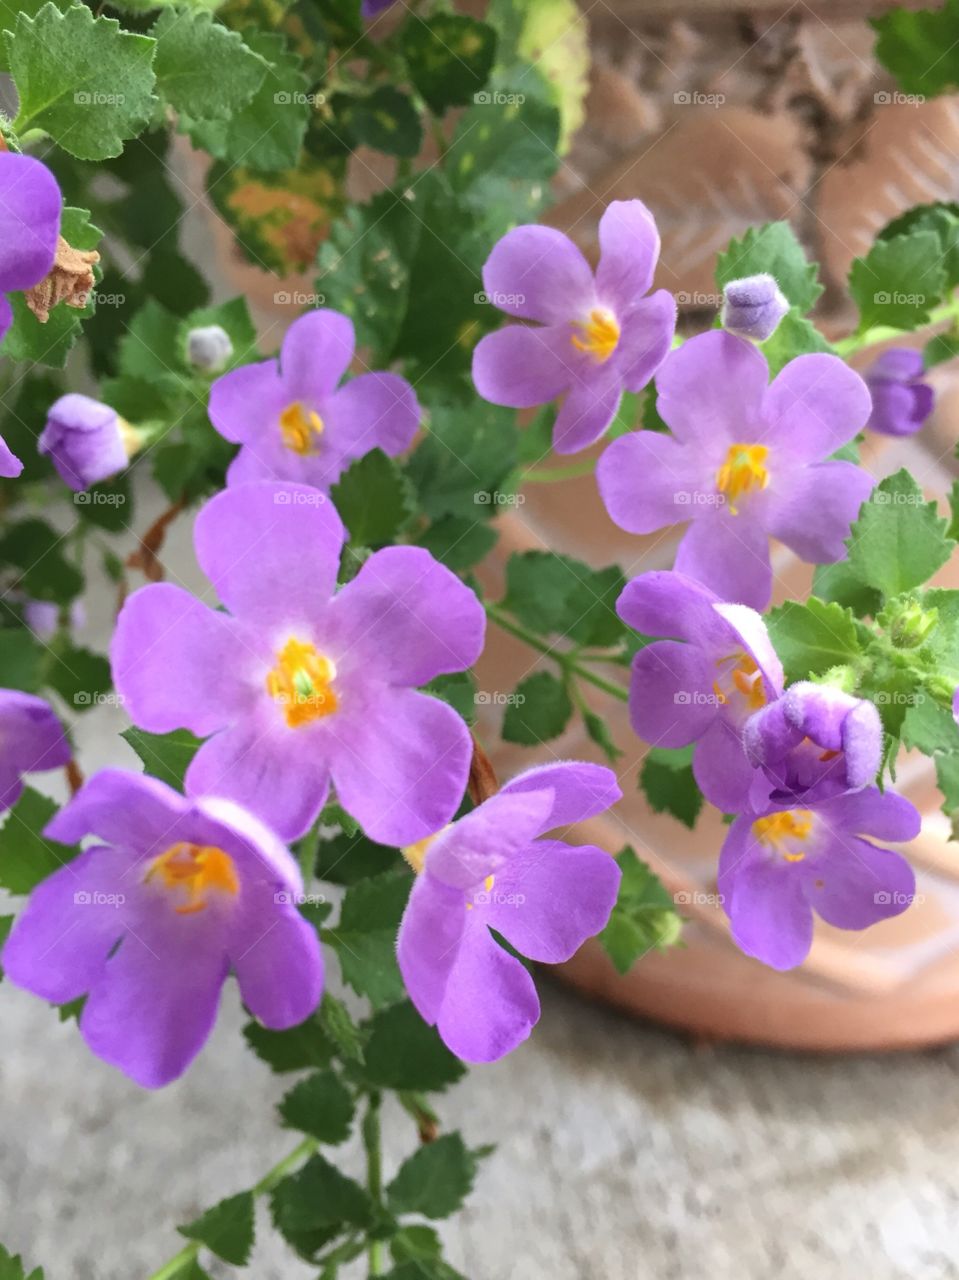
<point>646,339</point>
<point>871,812</point>
<point>854,884</point>
<point>316,353</point>
<point>246,403</point>
<point>899,409</point>
<point>537,273</point>
<point>402,766</point>
<point>723,772</point>
<point>131,810</point>
<point>271,550</point>
<point>30,206</point>
<point>278,962</point>
<point>730,554</point>
<point>588,409</point>
<point>814,406</point>
<point>488,838</point>
<point>60,941</point>
<point>31,734</point>
<point>753,307</point>
<point>408,617</point>
<point>629,250</point>
<point>83,440</point>
<point>179,664</point>
<point>551,897</point>
<point>521,366</point>
<point>373,411</point>
<point>647,480</point>
<point>768,912</point>
<point>898,364</point>
<point>429,940</point>
<point>580,790</point>
<point>664,603</point>
<point>750,630</point>
<point>711,391</point>
<point>10,464</point>
<point>671,697</point>
<point>816,508</point>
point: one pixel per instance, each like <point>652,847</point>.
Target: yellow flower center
<point>301,428</point>
<point>744,678</point>
<point>598,335</point>
<point>301,681</point>
<point>785,832</point>
<point>415,855</point>
<point>743,472</point>
<point>192,872</point>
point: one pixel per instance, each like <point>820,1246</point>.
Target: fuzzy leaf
<point>899,281</point>
<point>374,499</point>
<point>202,68</point>
<point>812,637</point>
<point>920,48</point>
<point>899,540</point>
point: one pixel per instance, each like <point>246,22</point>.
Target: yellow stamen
<point>193,872</point>
<point>301,428</point>
<point>784,831</point>
<point>415,854</point>
<point>301,681</point>
<point>742,472</point>
<point>745,678</point>
<point>487,887</point>
<point>598,335</point>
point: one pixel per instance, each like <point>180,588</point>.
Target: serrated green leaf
<point>795,336</point>
<point>321,1106</point>
<point>838,584</point>
<point>402,1052</point>
<point>557,595</point>
<point>81,678</point>
<point>943,220</point>
<point>668,782</point>
<point>449,58</point>
<point>149,350</point>
<point>465,455</point>
<point>165,755</point>
<point>899,281</point>
<point>415,1242</point>
<point>899,540</point>
<point>13,1268</point>
<point>26,857</point>
<point>365,937</point>
<point>459,690</point>
<point>316,1197</point>
<point>947,780</point>
<point>600,732</point>
<point>928,727</point>
<point>538,710</point>
<point>226,1229</point>
<point>35,549</point>
<point>772,249</point>
<point>81,79</point>
<point>339,1026</point>
<point>384,119</point>
<point>21,659</point>
<point>459,542</point>
<point>306,1045</point>
<point>435,1180</point>
<point>202,68</point>
<point>644,916</point>
<point>812,637</point>
<point>374,499</point>
<point>347,858</point>
<point>919,48</point>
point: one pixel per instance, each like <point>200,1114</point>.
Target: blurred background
<point>624,1150</point>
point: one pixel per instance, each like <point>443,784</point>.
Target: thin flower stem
<point>883,333</point>
<point>372,1144</point>
<point>175,1265</point>
<point>567,661</point>
<point>552,475</point>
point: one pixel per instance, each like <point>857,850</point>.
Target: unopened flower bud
<point>901,401</point>
<point>87,441</point>
<point>753,307</point>
<point>209,348</point>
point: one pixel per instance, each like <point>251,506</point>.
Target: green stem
<point>882,333</point>
<point>551,475</point>
<point>566,660</point>
<point>188,1253</point>
<point>372,1144</point>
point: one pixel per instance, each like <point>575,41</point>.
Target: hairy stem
<point>567,661</point>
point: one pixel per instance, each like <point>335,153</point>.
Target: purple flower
<point>901,401</point>
<point>599,334</point>
<point>30,207</point>
<point>149,921</point>
<point>43,618</point>
<point>295,424</point>
<point>31,741</point>
<point>298,686</point>
<point>489,871</point>
<point>753,307</point>
<point>744,463</point>
<point>703,683</point>
<point>87,441</point>
<point>815,743</point>
<point>777,868</point>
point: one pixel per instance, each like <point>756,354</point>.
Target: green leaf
<point>150,352</point>
<point>795,336</point>
<point>13,1268</point>
<point>501,157</point>
<point>341,1029</point>
<point>8,20</point>
<point>600,732</point>
<point>6,924</point>
<point>321,1106</point>
<point>466,454</point>
<point>415,1242</point>
<point>435,1180</point>
<point>812,637</point>
<point>267,133</point>
<point>459,690</point>
<point>838,584</point>
<point>83,80</point>
<point>384,119</point>
<point>899,541</point>
<point>21,659</point>
<point>449,58</point>
<point>899,281</point>
<point>644,916</point>
<point>81,678</point>
<point>202,68</point>
<point>774,250</point>
<point>459,542</point>
<point>943,220</point>
<point>373,499</point>
<point>947,780</point>
<point>919,48</point>
<point>35,549</point>
<point>51,343</point>
<point>928,727</point>
<point>165,755</point>
<point>316,1197</point>
<point>365,937</point>
<point>537,711</point>
<point>348,857</point>
<point>667,779</point>
<point>300,1047</point>
<point>555,594</point>
<point>226,1229</point>
<point>402,1052</point>
<point>423,1269</point>
<point>26,857</point>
